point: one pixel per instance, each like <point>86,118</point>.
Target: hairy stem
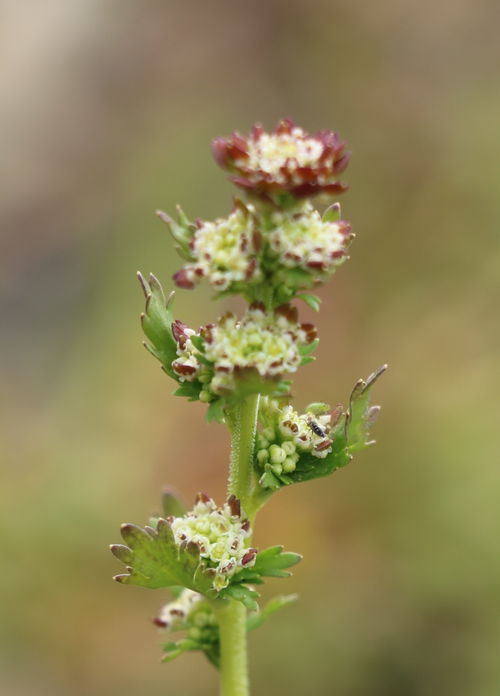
<point>243,425</point>
<point>233,648</point>
<point>232,614</point>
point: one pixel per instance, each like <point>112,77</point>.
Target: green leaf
<point>172,506</point>
<point>273,561</point>
<point>154,560</point>
<point>332,213</point>
<point>360,415</point>
<point>198,343</point>
<point>173,649</point>
<point>309,347</point>
<point>242,594</point>
<point>350,434</point>
<point>275,604</point>
<point>312,301</point>
<point>157,321</point>
<point>215,412</point>
<point>189,389</point>
<point>182,232</point>
<point>307,360</point>
<point>269,480</point>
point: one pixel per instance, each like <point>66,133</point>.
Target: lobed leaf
<point>156,323</point>
<point>154,560</point>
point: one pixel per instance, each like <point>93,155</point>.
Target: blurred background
<point>107,112</point>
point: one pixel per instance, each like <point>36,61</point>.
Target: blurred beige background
<point>107,112</point>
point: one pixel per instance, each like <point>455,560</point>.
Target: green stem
<point>232,617</point>
<point>243,426</point>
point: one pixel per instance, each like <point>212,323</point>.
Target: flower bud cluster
<point>220,534</point>
<point>287,160</point>
<point>267,344</point>
<point>285,435</point>
<point>223,251</point>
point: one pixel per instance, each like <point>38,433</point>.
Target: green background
<point>108,109</point>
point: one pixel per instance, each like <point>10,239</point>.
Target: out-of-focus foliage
<point>108,110</point>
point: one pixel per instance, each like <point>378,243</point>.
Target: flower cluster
<point>285,435</point>
<point>305,240</point>
<point>220,534</point>
<point>242,254</point>
<point>287,160</point>
<point>263,344</point>
<point>223,251</point>
<point>174,615</point>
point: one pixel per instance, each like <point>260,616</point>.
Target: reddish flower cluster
<point>287,160</point>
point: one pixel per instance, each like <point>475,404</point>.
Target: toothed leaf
<point>156,323</point>
<point>360,415</point>
<point>154,560</point>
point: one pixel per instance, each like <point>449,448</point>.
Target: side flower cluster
<point>287,160</point>
<point>262,345</point>
<point>248,255</point>
<point>174,615</point>
<point>305,240</point>
<point>220,534</point>
<point>224,251</point>
<point>285,435</point>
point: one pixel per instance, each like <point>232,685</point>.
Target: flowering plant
<point>271,249</point>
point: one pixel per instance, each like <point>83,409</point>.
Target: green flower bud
<point>276,469</point>
<point>277,454</point>
<point>288,446</point>
<point>289,465</point>
<point>262,456</point>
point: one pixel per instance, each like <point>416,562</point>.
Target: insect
<point>316,428</point>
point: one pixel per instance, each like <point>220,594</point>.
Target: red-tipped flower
<point>287,160</point>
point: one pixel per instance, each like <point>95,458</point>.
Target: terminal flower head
<point>287,160</point>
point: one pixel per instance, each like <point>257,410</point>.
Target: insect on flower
<point>316,428</point>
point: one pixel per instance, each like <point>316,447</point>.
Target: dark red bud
<point>325,444</point>
<point>159,622</point>
<point>178,328</point>
<point>251,269</point>
<point>258,305</point>
<point>182,369</point>
<point>206,332</point>
<point>219,151</point>
<point>311,332</point>
<point>234,506</point>
<point>182,280</point>
<point>248,557</point>
<point>284,127</point>
<point>289,311</point>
